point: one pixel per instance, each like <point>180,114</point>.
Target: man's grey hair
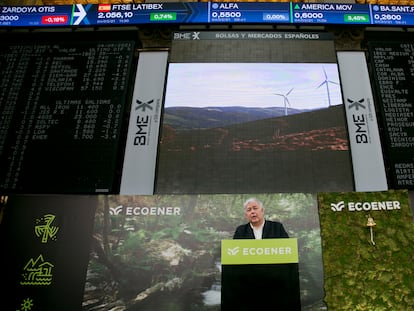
<point>250,200</point>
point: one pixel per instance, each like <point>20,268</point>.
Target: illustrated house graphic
<point>37,272</point>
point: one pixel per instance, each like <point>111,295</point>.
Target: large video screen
<point>267,124</point>
<point>294,87</point>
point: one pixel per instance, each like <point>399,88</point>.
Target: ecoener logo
<point>248,251</point>
<point>145,211</point>
<point>259,251</point>
<point>366,206</point>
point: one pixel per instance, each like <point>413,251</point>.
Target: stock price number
<point>308,15</point>
<point>109,15</point>
<point>387,17</point>
<point>9,18</point>
<point>226,14</point>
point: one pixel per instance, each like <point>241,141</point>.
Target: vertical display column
<point>393,70</point>
<point>138,174</point>
<point>367,158</point>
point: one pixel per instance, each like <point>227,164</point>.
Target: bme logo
<point>144,105</point>
<point>142,123</point>
<point>356,104</point>
<point>360,121</point>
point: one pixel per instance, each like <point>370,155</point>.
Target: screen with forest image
<point>162,252</point>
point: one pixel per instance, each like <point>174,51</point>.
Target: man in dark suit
<point>257,227</point>
<point>275,286</point>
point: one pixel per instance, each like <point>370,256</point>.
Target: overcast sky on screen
<point>252,85</point>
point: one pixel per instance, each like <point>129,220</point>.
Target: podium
<point>260,274</point>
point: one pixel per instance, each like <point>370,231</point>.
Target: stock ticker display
<point>62,103</point>
<point>206,13</point>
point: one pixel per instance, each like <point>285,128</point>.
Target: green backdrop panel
<point>368,263</point>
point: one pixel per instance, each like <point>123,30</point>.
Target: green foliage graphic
<point>360,275</point>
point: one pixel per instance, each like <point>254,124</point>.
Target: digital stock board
<point>206,13</point>
<point>392,67</point>
<point>62,105</point>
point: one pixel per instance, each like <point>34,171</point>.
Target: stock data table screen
<point>62,103</point>
<point>393,69</point>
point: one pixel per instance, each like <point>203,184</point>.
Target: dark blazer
<point>271,230</point>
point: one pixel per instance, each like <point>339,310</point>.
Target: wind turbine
<point>326,82</point>
<point>285,99</point>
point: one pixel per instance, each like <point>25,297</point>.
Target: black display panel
<point>46,262</point>
<point>392,66</point>
<point>62,100</point>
